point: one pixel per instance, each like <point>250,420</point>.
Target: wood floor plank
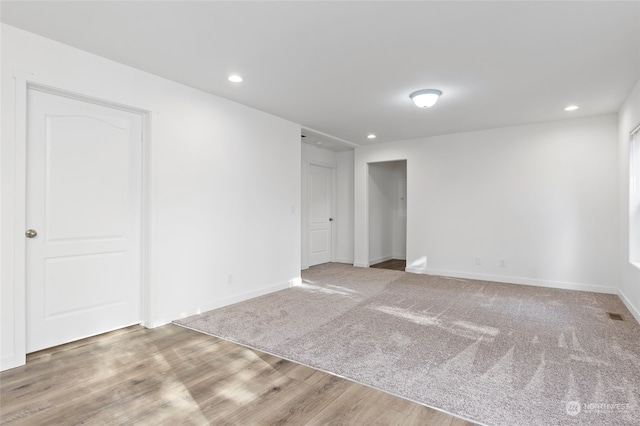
<point>357,405</point>
<point>175,376</point>
<point>231,398</point>
<point>64,380</point>
<point>272,398</point>
<point>393,264</point>
<point>315,377</point>
<point>418,415</point>
<point>461,422</point>
<point>180,386</point>
<point>305,405</point>
<point>42,363</point>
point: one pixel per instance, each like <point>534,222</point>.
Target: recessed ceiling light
<point>571,108</point>
<point>235,78</point>
<point>371,136</point>
<point>318,143</point>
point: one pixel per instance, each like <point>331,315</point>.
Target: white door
<point>320,214</point>
<point>84,202</point>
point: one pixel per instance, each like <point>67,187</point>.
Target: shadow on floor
<point>393,264</point>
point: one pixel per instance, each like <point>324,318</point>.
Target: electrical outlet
<point>502,263</point>
<point>478,260</point>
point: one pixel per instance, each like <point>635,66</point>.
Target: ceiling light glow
<point>235,78</point>
<point>425,98</point>
<point>571,108</point>
<point>371,136</point>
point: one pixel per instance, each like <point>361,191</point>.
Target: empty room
<point>320,212</point>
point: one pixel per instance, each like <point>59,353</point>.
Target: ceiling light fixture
<point>571,108</point>
<point>425,98</point>
<point>235,78</point>
<point>371,136</point>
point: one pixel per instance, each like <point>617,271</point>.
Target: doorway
<point>388,214</point>
<point>320,203</point>
<point>83,218</point>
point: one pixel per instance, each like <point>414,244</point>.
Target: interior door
<point>83,218</point>
<point>320,214</point>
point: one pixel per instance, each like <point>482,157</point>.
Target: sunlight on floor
<point>421,319</point>
<point>460,328</point>
<point>474,331</point>
<point>307,285</point>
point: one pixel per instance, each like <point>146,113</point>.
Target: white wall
<point>343,208</point>
<point>225,185</point>
<point>344,213</point>
<point>628,119</point>
<point>380,212</point>
<point>399,243</point>
<point>542,197</point>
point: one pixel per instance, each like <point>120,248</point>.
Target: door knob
<point>330,219</point>
<point>31,233</point>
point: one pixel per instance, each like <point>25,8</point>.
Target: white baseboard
<point>399,257</point>
<point>517,280</point>
<point>224,302</point>
<point>344,260</point>
<point>634,310</point>
<point>415,270</point>
<point>361,264</point>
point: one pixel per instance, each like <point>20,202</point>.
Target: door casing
<point>24,81</point>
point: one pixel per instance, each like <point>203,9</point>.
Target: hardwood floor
<point>393,264</point>
<point>174,376</point>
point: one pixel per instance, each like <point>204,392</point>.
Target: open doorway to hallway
<point>388,214</point>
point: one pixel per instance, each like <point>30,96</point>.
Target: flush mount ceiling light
<point>235,78</point>
<point>371,136</point>
<point>571,108</point>
<point>425,98</point>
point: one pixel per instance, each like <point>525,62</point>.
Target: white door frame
<point>23,82</point>
<point>367,211</point>
<point>307,200</point>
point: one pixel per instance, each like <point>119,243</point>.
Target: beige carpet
<point>497,354</point>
